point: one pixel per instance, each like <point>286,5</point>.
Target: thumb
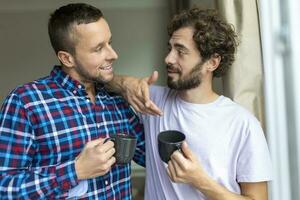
<point>187,151</point>
<point>153,78</point>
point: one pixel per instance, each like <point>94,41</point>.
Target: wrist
<point>201,182</point>
<point>210,188</point>
<point>78,169</point>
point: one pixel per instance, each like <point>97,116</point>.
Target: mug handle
<point>109,139</point>
<point>178,146</point>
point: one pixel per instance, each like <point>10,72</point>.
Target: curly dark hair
<point>63,19</point>
<point>212,35</point>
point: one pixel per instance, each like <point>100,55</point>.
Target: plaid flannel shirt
<point>45,124</point>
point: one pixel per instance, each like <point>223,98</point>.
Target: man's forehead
<point>89,31</point>
<point>185,32</point>
<point>183,36</point>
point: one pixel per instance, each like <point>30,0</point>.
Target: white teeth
<point>106,68</point>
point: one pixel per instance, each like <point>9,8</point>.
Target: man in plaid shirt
<point>52,130</point>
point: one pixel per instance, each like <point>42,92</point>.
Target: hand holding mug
<point>185,168</point>
<point>125,147</point>
<point>95,159</point>
<point>168,142</point>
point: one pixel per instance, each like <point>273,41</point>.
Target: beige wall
<point>138,28</point>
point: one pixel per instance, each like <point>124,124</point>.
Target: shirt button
<point>98,125</point>
<point>87,100</point>
<point>106,182</point>
<point>79,86</point>
<point>74,92</point>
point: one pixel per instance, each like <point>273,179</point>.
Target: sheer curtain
<point>244,81</point>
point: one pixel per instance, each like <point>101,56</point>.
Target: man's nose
<point>112,54</point>
<point>170,58</point>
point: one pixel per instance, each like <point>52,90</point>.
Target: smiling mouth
<point>173,71</point>
<point>109,67</point>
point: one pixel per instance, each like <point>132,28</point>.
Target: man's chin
<point>105,79</point>
<point>171,83</point>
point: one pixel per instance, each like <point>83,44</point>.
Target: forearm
<point>214,191</point>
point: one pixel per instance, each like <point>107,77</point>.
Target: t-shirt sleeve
<point>254,162</point>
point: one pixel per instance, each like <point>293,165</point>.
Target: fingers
<point>153,78</point>
<point>170,174</point>
<point>94,143</point>
<point>105,156</point>
<point>111,161</point>
<point>153,109</point>
<point>140,106</point>
<point>174,171</point>
<point>149,106</point>
<point>138,95</point>
<point>108,154</point>
<point>137,105</point>
<point>104,152</point>
<point>146,93</point>
<point>104,147</point>
<point>187,151</point>
<point>179,159</point>
<point>95,159</point>
<point>171,171</point>
<point>105,167</point>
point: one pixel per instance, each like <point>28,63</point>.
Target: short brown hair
<point>61,22</point>
<point>212,35</point>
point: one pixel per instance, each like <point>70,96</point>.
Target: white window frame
<point>280,31</point>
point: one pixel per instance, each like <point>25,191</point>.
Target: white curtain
<point>244,81</point>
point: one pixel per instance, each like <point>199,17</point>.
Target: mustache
<point>173,69</point>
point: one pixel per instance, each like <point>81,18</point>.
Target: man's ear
<point>214,62</point>
<point>66,59</point>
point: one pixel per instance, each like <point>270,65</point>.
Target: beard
<point>88,77</point>
<point>192,80</point>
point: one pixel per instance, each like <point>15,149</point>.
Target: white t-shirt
<point>227,139</point>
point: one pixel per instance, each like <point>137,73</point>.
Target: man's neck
<point>202,94</point>
<point>89,86</point>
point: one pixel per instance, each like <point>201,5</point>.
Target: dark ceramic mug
<point>125,147</point>
<point>168,142</point>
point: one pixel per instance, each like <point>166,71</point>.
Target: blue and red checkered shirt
<point>45,124</point>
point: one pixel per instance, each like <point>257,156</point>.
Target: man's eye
<point>181,52</point>
<point>98,49</point>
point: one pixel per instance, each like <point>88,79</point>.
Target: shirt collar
<point>70,84</point>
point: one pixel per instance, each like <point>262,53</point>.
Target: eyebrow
<point>179,46</point>
<point>101,43</point>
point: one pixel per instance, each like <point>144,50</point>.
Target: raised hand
<point>136,92</point>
